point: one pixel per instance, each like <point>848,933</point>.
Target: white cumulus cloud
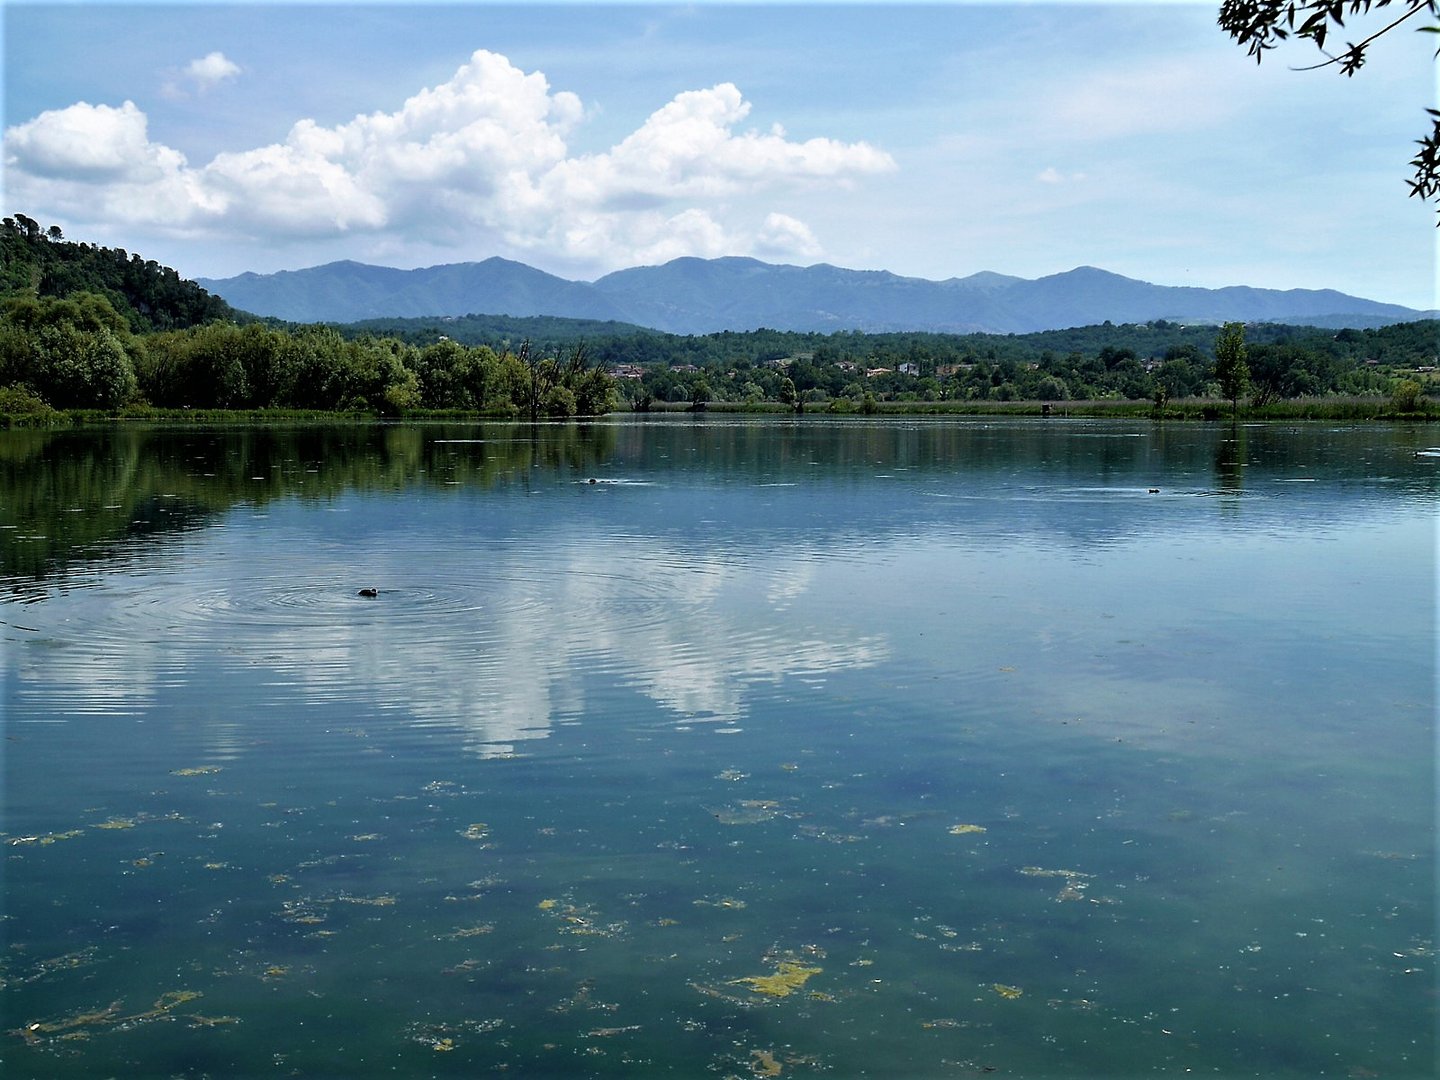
<point>84,140</point>
<point>481,159</point>
<point>211,70</point>
<point>784,236</point>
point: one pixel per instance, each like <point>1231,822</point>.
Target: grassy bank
<point>1319,408</point>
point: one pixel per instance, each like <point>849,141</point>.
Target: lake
<point>702,746</point>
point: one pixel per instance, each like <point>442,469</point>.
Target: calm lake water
<point>701,747</point>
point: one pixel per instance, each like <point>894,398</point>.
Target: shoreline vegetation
<point>1333,409</point>
<point>91,334</point>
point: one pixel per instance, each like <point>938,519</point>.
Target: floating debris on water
<point>302,912</point>
<point>444,1038</point>
<point>47,839</point>
<point>818,832</point>
<point>38,1031</point>
<point>198,1021</point>
<point>964,830</point>
<point>1009,993</point>
<point>383,900</point>
<point>198,770</point>
<point>747,812</point>
<point>477,831</point>
<point>1075,881</point>
<point>945,1023</point>
<point>468,932</point>
<point>584,998</point>
<point>464,967</point>
<point>580,920</point>
<point>40,969</point>
<point>73,1027</point>
<point>1079,1004</point>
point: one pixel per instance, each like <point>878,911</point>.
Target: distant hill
<point>348,292</point>
<point>701,296</point>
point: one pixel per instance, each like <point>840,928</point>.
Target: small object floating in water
<point>1154,491</point>
<point>592,480</point>
<point>368,592</point>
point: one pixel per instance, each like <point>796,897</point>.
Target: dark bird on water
<point>369,592</point>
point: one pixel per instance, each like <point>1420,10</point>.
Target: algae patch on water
<point>788,976</point>
<point>77,1025</point>
<point>962,830</point>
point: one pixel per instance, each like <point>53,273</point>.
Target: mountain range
<point>702,296</point>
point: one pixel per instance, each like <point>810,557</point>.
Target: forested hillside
<point>39,262</point>
<point>86,327</point>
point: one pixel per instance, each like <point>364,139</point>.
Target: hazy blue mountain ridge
<point>701,296</point>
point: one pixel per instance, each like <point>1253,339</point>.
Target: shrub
<point>21,401</point>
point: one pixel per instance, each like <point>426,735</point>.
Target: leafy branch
<point>1260,25</point>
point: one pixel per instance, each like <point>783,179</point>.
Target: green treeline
<point>84,327</point>
<point>1153,361</point>
<point>78,353</point>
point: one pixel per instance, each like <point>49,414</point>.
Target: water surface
<point>686,747</point>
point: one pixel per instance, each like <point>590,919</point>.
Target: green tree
<point>1407,395</point>
<point>1260,25</point>
<point>1177,378</point>
<point>1051,388</point>
<point>559,403</point>
<point>74,354</point>
<point>1232,371</point>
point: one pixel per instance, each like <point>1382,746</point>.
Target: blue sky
<point>933,140</point>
